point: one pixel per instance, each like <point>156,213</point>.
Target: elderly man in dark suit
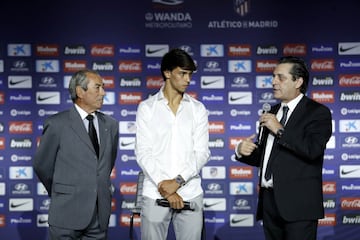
<point>290,154</point>
<point>75,167</point>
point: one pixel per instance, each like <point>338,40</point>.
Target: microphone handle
<point>165,203</point>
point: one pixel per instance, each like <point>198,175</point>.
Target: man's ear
<point>299,82</point>
<point>79,91</point>
<point>167,74</point>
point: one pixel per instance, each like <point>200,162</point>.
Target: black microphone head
<point>266,107</point>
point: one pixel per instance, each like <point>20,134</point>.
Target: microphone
<point>165,203</point>
<point>266,107</point>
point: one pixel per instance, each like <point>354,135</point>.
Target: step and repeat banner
<point>236,45</point>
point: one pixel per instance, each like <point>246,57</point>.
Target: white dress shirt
<point>83,115</point>
<point>169,144</point>
<point>270,140</point>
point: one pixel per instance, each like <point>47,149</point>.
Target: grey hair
<point>79,79</point>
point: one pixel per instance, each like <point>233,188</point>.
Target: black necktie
<point>284,116</point>
<point>268,171</point>
<point>92,134</point>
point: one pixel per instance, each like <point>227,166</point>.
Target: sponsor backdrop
<point>235,44</point>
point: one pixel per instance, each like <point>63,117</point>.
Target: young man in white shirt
<point>171,148</point>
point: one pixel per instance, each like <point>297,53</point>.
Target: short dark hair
<point>299,69</point>
<point>177,58</point>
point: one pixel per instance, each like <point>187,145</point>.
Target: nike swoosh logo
<point>126,144</point>
<point>45,98</point>
<point>150,51</point>
<point>236,98</point>
<point>14,82</point>
<point>343,172</point>
<point>342,49</point>
<point>13,205</point>
<point>237,220</point>
<point>205,83</point>
<point>42,221</point>
<point>207,205</point>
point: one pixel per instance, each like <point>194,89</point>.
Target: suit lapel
<point>103,133</point>
<point>297,114</point>
<point>78,127</point>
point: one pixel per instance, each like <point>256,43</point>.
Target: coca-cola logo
<point>21,127</point>
<point>128,188</point>
<point>349,80</point>
<point>102,50</point>
<point>323,65</point>
<point>295,49</point>
<point>154,82</point>
<point>329,187</point>
<point>130,66</point>
<point>351,203</point>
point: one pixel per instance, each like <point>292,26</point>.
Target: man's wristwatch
<point>280,132</point>
<point>179,179</point>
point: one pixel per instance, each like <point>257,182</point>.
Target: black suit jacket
<point>297,161</point>
<point>67,165</point>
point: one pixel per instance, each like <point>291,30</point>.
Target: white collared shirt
<point>83,115</point>
<point>169,144</point>
<point>270,140</point>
